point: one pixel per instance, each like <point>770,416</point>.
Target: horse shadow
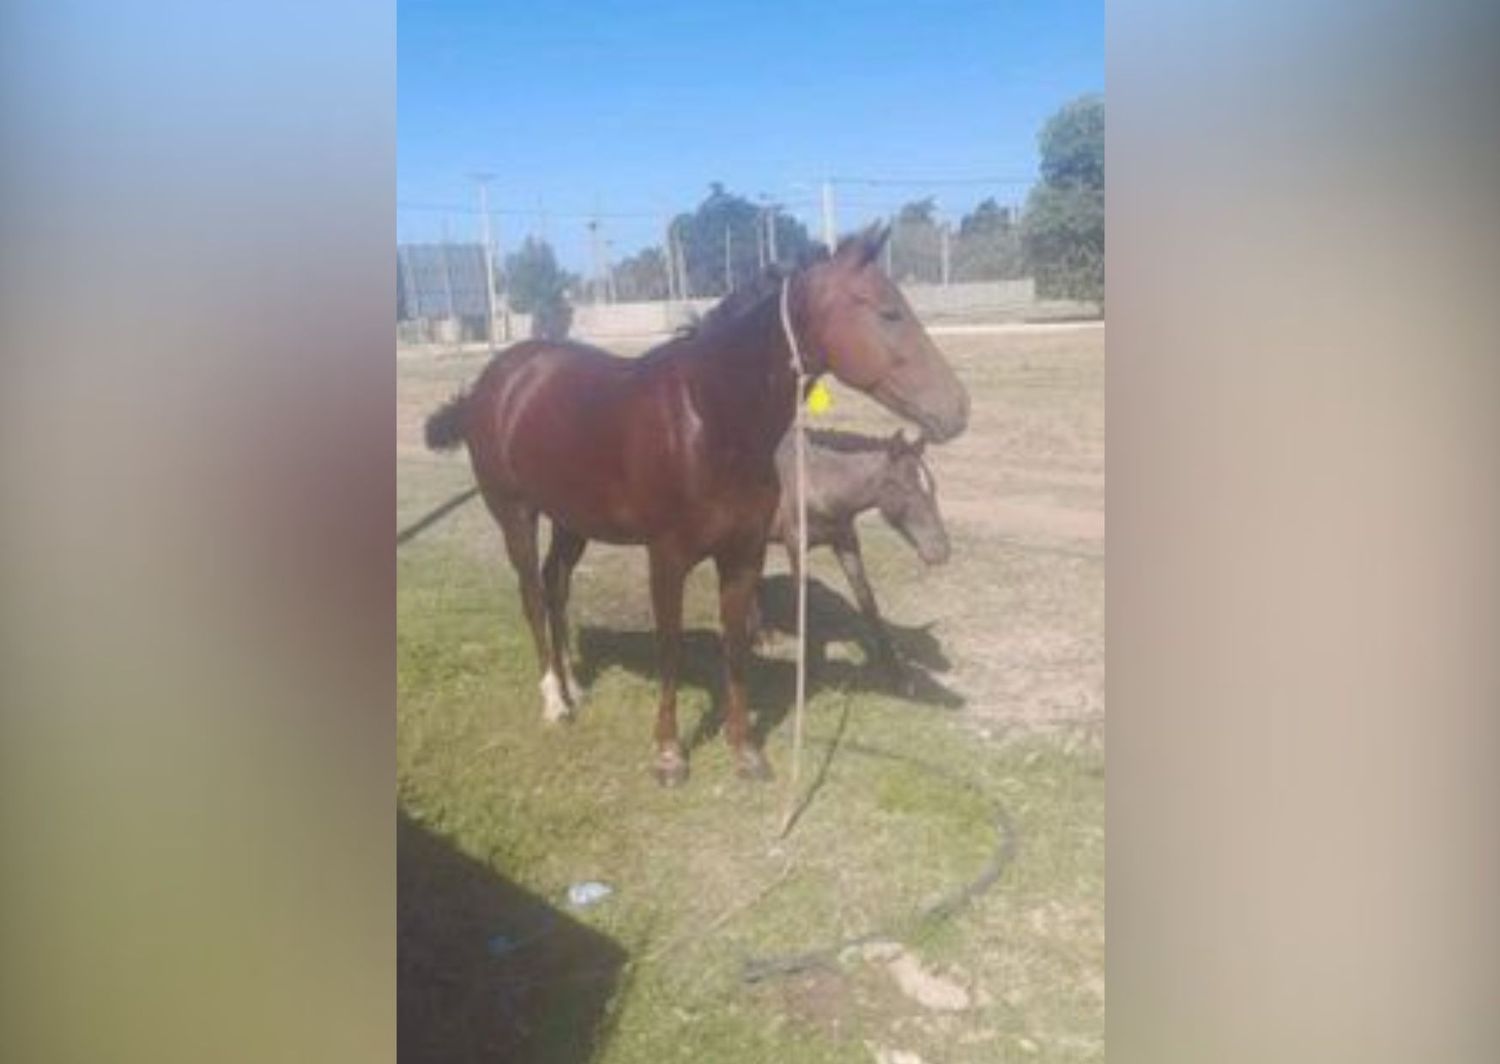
<point>488,971</point>
<point>832,620</point>
<point>772,682</point>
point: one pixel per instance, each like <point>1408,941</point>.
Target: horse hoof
<point>754,766</point>
<point>671,769</point>
<point>577,693</point>
<point>555,708</point>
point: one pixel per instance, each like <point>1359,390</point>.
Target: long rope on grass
<point>757,969</point>
<point>799,367</point>
<point>433,516</point>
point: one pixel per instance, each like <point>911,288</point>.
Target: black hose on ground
<point>432,517</point>
<point>758,969</point>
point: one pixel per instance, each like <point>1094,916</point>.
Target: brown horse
<point>676,450</point>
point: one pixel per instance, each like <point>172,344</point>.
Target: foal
<point>848,474</point>
<point>676,451</point>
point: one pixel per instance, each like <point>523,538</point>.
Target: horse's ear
<point>848,250</point>
<point>872,241</point>
<point>863,247</point>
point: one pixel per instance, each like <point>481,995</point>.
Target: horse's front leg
<point>668,574</point>
<point>739,576</point>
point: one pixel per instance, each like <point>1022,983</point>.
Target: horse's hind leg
<point>518,522</point>
<point>739,574</point>
<point>557,576</point>
<point>668,574</point>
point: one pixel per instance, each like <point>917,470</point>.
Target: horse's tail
<point>447,425</point>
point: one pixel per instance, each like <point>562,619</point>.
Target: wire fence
<point>943,232</point>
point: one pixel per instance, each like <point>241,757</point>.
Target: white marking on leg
<point>555,707</point>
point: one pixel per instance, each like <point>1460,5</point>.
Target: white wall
<point>973,301</point>
<point>605,320</point>
<point>976,301</point>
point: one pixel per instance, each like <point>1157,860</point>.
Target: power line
<point>459,208</point>
<point>920,181</point>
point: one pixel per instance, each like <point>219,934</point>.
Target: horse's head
<point>860,326</point>
<point>908,500</point>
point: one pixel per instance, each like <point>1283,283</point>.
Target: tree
<point>643,276</point>
<point>987,218</point>
<point>1063,230</point>
<point>1072,145</point>
<point>916,244</point>
<point>918,212</point>
<point>988,245</point>
<point>538,286</point>
<point>533,277</point>
<point>725,221</point>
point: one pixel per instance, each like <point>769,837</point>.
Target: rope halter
<point>799,364</point>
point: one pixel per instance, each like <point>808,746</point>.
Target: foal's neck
<point>853,478</point>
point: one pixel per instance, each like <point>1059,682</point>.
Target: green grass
<point>701,883</point>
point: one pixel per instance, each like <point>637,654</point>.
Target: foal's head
<point>860,324</point>
<point>907,499</point>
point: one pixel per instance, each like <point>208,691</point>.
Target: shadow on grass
<point>773,681</point>
<point>487,971</point>
<point>831,619</point>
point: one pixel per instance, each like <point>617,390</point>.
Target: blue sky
<point>631,109</point>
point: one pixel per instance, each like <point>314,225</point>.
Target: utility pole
<point>943,237</point>
<point>594,255</point>
<point>669,260</point>
<point>483,181</point>
<point>890,249</point>
<point>830,227</point>
<point>502,287</point>
<point>610,294</point>
<point>447,271</point>
<point>760,239</point>
<point>771,232</point>
<point>684,278</point>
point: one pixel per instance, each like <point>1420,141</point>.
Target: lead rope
<point>799,367</point>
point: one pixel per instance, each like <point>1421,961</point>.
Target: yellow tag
<point>819,399</point>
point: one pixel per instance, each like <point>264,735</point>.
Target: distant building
<point>440,290</point>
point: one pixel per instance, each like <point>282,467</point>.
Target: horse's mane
<point>846,442</point>
<point>858,443</point>
<point>745,298</point>
<point>741,301</point>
